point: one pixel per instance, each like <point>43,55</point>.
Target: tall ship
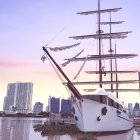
<point>99,109</point>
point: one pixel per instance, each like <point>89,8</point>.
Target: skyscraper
<point>9,100</point>
<point>66,106</point>
<point>54,105</point>
<point>136,110</point>
<point>19,96</point>
<point>130,108</point>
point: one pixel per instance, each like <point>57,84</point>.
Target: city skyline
<point>28,25</point>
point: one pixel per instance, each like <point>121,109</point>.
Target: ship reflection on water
<point>121,136</point>
<point>129,135</point>
<point>22,129</point>
<point>137,130</point>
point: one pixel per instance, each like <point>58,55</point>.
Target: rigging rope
<point>57,72</point>
<point>54,37</point>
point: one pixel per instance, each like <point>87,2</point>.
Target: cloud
<point>12,64</point>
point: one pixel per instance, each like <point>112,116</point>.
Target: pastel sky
<point>27,25</point>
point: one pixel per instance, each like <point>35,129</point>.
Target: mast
<point>99,32</point>
<point>139,80</point>
<point>100,35</point>
<point>116,73</point>
<point>110,50</point>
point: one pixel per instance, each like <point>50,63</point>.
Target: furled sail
<point>106,82</point>
<point>111,37</point>
<point>103,57</point>
<point>79,70</point>
<point>68,61</point>
<point>64,47</point>
<point>113,22</point>
<point>106,72</point>
<point>115,90</point>
<point>102,36</point>
<point>99,11</point>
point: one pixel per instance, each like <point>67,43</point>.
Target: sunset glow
<point>26,26</point>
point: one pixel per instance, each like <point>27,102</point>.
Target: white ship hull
<point>89,117</point>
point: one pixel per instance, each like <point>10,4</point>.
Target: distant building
<point>136,110</point>
<point>47,108</point>
<point>137,106</point>
<point>38,107</point>
<point>10,99</point>
<point>130,108</point>
<point>66,106</point>
<point>54,105</point>
<point>19,97</point>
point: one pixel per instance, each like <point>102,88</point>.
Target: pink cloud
<point>12,64</point>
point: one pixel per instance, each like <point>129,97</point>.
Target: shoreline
<point>20,116</point>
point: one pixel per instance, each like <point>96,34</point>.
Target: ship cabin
<point>106,98</point>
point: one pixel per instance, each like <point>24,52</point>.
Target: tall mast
<point>116,72</point>
<point>99,32</point>
<point>100,56</point>
<point>139,79</point>
<point>110,50</point>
